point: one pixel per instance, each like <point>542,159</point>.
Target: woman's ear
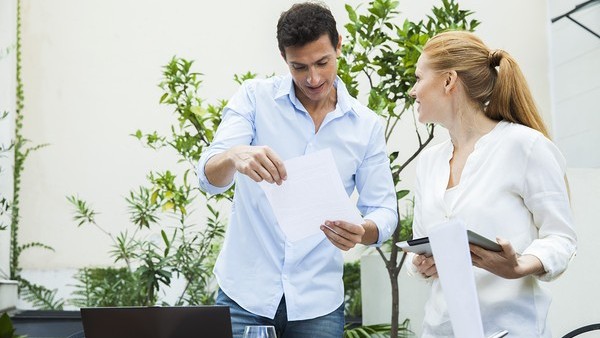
<point>451,79</point>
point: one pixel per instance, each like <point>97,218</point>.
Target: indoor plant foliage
<point>4,203</point>
<point>20,152</point>
<point>184,250</point>
<point>381,55</point>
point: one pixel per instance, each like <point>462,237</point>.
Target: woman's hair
<point>491,78</point>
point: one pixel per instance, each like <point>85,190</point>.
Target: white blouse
<point>513,187</point>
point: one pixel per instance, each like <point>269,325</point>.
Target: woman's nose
<point>413,93</point>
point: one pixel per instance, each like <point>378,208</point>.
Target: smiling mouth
<point>317,88</point>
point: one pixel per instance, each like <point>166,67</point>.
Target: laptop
<point>212,321</point>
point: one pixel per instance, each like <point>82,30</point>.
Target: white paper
<point>453,262</point>
<point>312,194</point>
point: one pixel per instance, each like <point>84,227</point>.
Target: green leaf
<point>164,97</point>
<point>168,206</point>
<point>351,13</point>
<point>197,110</point>
<point>6,327</point>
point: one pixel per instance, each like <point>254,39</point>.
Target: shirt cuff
<point>386,222</point>
<point>205,185</point>
<point>555,258</point>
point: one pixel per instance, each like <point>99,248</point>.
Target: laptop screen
<point>157,322</point>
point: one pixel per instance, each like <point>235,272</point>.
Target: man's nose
<point>313,76</point>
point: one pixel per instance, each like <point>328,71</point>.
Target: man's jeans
<point>327,326</point>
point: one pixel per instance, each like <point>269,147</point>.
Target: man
<point>265,278</point>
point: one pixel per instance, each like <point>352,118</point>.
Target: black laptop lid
<point>157,322</point>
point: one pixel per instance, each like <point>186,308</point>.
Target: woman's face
<point>430,93</point>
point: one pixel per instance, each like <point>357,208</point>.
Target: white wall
<point>576,292</point>
<point>7,103</point>
<point>575,55</point>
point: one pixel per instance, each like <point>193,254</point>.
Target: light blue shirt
<point>257,264</point>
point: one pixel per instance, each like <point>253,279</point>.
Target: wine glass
<point>260,331</point>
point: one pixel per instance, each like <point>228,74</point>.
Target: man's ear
<point>451,80</point>
<point>338,48</point>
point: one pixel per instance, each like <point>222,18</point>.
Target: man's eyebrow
<point>324,58</point>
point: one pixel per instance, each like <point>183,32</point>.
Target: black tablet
<point>421,245</point>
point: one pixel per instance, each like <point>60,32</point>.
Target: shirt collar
<point>345,103</point>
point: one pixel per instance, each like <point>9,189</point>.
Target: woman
<point>500,174</point>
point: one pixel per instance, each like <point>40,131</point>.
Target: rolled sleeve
<point>547,198</point>
<point>386,223</point>
<point>555,255</point>
<point>205,185</point>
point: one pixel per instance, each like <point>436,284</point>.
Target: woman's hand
<point>425,266</point>
<point>506,263</point>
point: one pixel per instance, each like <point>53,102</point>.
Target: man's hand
<point>259,163</point>
<point>342,234</point>
<point>425,266</point>
<point>506,263</point>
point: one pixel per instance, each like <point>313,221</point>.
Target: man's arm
<point>257,162</point>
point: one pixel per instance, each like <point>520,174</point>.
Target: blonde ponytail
<point>493,79</point>
<point>511,98</point>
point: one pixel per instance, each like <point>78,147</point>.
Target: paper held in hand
<point>312,194</point>
<point>450,247</point>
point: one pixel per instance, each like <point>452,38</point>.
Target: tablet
<point>421,245</point>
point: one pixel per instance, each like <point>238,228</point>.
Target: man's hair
<point>305,22</point>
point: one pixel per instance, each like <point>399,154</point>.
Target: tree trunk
<point>395,305</point>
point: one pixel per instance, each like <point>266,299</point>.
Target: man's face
<point>313,68</point>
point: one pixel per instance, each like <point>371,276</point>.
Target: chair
<point>582,329</point>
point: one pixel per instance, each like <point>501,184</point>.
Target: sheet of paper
<point>312,194</point>
<point>453,261</point>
